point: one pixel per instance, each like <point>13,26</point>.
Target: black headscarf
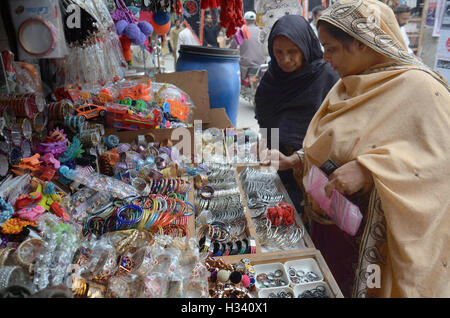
<point>289,100</point>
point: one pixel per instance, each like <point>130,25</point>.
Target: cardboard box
<point>195,84</point>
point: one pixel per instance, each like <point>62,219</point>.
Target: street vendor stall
<point>117,186</point>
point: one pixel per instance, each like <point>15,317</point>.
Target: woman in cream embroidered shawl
<point>386,123</point>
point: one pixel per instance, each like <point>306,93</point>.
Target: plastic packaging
<point>178,103</point>
<point>39,28</point>
<point>56,252</point>
<point>103,183</point>
<point>344,213</point>
<point>317,180</point>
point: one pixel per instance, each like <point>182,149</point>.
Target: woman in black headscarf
<point>292,89</point>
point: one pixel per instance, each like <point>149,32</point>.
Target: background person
<point>292,89</point>
<point>403,14</point>
<point>186,37</point>
<point>210,32</point>
<point>368,124</point>
<point>316,13</point>
<point>251,50</point>
<point>174,33</point>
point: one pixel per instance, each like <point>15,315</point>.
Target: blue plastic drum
<point>223,70</point>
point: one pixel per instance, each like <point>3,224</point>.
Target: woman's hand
<point>349,179</point>
<point>278,160</point>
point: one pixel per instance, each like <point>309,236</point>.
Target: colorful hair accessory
<point>15,225</point>
<point>57,135</point>
<point>74,151</point>
<point>27,199</point>
<point>49,189</point>
<point>49,159</point>
<point>59,211</point>
<point>56,148</point>
<point>67,172</point>
<point>47,174</point>
<point>112,141</point>
<point>31,214</point>
<point>7,210</point>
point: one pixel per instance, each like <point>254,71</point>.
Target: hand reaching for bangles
<point>278,160</point>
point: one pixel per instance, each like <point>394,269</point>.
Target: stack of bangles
<point>142,213</point>
<point>165,186</point>
<point>214,239</point>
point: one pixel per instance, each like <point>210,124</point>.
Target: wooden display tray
<point>251,229</point>
<point>284,256</point>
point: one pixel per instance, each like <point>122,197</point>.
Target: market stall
<point>119,186</point>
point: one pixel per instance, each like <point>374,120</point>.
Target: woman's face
<point>345,61</point>
<point>288,55</point>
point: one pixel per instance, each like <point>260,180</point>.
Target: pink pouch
<point>239,37</point>
<point>344,213</point>
<point>317,181</point>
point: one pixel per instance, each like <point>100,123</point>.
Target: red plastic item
<point>105,96</point>
<point>27,199</point>
<point>119,117</point>
<point>59,211</point>
<point>282,212</point>
<point>126,48</point>
<point>47,174</point>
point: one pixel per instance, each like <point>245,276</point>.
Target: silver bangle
<point>301,154</point>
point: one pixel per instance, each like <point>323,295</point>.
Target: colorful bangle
<point>242,245</point>
<point>227,248</point>
<point>217,249</point>
<point>136,216</point>
<point>252,245</point>
<point>206,190</point>
<point>192,206</point>
<point>204,243</point>
<point>95,225</point>
<point>234,248</point>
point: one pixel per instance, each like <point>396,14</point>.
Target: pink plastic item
<point>239,37</point>
<point>317,180</point>
<point>49,159</point>
<point>31,213</point>
<point>344,213</point>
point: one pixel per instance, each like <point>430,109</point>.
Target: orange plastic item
<point>91,111</point>
<point>178,110</point>
<point>111,156</point>
<point>140,91</point>
<point>105,95</point>
<point>31,163</point>
<point>85,96</point>
<point>33,160</point>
